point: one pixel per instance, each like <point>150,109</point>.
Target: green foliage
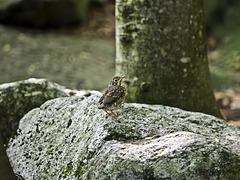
<point>222,79</point>
<point>231,51</point>
<point>225,67</point>
<point>149,174</point>
<point>222,16</point>
<point>222,23</point>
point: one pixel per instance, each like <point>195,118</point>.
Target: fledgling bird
<point>113,97</point>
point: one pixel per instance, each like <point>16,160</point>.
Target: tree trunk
<point>161,48</point>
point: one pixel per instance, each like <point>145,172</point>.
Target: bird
<point>113,97</point>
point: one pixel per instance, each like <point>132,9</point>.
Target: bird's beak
<point>121,79</point>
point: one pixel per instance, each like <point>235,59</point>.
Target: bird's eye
<point>115,80</point>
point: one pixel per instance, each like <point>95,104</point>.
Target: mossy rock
<point>17,98</point>
<point>70,138</point>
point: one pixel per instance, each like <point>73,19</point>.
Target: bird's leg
<point>108,114</point>
<point>117,118</point>
<point>113,113</point>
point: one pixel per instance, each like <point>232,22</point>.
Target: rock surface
<point>17,98</point>
<point>70,138</point>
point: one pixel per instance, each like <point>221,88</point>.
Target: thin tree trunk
<point>161,48</point>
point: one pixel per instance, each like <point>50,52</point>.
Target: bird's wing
<point>101,99</point>
<point>111,96</point>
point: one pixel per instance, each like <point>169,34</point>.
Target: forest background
<point>81,54</point>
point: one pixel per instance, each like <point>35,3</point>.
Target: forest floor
<point>84,58</point>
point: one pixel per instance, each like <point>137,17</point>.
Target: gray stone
<point>42,13</point>
<point>17,98</point>
<point>70,138</point>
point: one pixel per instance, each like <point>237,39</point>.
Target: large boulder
<point>44,13</point>
<point>17,98</point>
<point>70,138</point>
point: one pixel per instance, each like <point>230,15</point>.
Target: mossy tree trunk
<point>161,48</point>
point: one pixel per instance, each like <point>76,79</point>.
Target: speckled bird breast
<point>119,102</point>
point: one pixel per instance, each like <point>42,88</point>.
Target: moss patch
<point>68,169</point>
<point>80,169</point>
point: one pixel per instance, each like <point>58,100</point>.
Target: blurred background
<point>72,42</point>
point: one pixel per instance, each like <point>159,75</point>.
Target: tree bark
<point>161,48</point>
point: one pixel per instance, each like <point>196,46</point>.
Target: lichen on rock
<point>70,138</point>
<point>17,98</point>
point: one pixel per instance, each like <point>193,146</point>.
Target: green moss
<point>68,169</point>
<point>149,174</point>
<point>80,170</point>
<point>92,163</point>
